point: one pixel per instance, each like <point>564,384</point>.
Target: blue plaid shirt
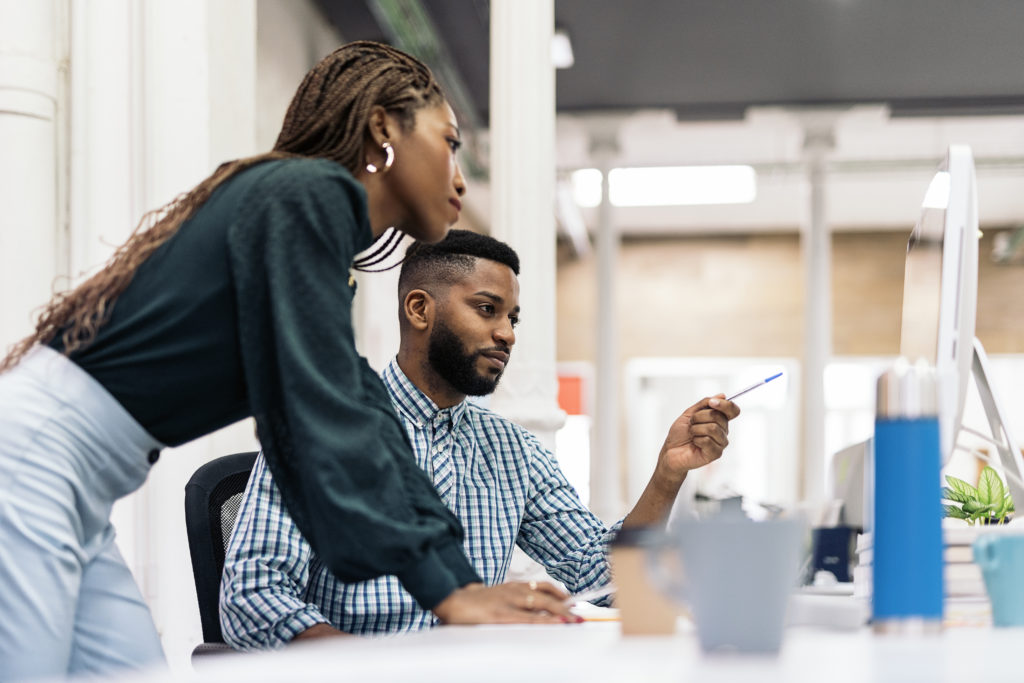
<point>494,475</point>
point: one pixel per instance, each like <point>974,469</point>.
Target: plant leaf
<point>990,486</point>
<point>976,507</point>
<point>950,494</point>
<point>954,511</point>
<point>962,487</point>
<point>1004,506</point>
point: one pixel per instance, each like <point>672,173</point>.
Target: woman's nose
<point>459,181</point>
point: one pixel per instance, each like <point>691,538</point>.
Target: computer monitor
<point>940,298</point>
<point>940,287</point>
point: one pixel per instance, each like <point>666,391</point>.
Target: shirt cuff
<point>440,572</point>
<point>286,630</point>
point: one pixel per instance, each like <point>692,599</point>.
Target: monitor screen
<point>940,289</point>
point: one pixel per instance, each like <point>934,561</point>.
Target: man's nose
<point>505,334</point>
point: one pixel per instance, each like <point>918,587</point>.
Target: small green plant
<point>989,503</point>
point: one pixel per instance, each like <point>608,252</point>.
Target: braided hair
<point>327,118</point>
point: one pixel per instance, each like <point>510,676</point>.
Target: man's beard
<point>448,359</point>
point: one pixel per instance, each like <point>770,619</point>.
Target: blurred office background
<point>831,115</point>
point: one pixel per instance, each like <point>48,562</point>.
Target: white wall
<point>760,462</point>
<point>292,37</point>
<point>32,49</point>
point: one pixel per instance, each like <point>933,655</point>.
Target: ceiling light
<point>586,186</point>
<point>668,185</point>
<point>561,49</point>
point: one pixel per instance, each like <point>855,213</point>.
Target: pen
<point>753,386</point>
<point>592,594</point>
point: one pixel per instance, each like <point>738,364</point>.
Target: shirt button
<point>153,456</point>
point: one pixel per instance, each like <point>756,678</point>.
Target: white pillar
<point>32,46</point>
<point>816,247</point>
<point>606,471</point>
<point>522,131</point>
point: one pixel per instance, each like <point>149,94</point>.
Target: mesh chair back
<point>212,498</point>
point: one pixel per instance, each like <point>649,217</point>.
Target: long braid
<point>327,118</point>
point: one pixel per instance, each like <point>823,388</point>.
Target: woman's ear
<point>379,126</point>
<point>418,309</point>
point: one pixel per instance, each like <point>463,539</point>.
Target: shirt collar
<point>413,404</point>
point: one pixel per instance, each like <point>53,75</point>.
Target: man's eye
<point>514,319</point>
<point>487,308</point>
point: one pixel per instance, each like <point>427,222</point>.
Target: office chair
<point>212,498</point>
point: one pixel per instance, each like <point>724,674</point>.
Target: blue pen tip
<point>778,374</point>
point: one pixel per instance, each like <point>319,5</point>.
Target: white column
<point>816,247</point>
<point>606,466</point>
<point>31,178</point>
<point>522,131</point>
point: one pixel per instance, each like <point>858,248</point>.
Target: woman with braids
<point>235,300</point>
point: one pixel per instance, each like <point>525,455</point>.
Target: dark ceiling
<point>714,58</point>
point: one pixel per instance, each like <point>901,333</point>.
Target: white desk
<point>596,651</point>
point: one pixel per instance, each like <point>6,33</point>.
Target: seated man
<point>459,305</point>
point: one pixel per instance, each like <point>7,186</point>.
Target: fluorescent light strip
<point>668,185</point>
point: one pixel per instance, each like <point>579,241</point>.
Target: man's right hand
<point>535,602</point>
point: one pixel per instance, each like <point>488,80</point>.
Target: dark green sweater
<point>246,310</point>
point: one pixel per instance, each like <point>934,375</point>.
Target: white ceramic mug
<point>739,576</point>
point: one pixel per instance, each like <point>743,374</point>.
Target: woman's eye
<point>454,144</point>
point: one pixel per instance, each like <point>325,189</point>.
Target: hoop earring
<point>390,151</point>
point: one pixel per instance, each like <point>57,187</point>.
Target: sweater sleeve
<point>331,438</point>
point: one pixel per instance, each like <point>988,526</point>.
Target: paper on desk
<point>591,612</point>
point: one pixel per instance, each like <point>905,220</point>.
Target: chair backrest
<point>212,499</point>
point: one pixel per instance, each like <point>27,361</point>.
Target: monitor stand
<point>1002,439</point>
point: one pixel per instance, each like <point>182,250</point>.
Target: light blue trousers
<point>68,450</point>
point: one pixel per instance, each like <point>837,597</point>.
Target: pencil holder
<point>907,566</point>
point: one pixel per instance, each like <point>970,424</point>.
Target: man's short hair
<point>453,258</point>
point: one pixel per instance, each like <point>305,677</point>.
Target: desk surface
<point>596,651</point>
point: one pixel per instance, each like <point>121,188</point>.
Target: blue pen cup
<point>907,569</point>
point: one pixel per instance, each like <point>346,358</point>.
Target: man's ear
<point>418,307</point>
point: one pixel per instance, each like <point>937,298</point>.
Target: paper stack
<point>962,577</point>
<point>966,600</point>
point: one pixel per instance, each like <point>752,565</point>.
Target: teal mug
<point>1001,558</point>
